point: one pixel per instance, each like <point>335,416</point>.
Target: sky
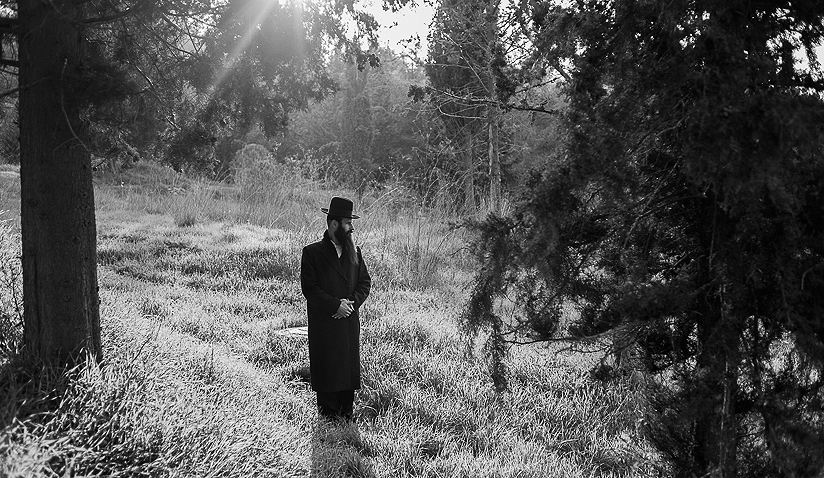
<point>403,24</point>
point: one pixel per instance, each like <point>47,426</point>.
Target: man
<point>335,282</point>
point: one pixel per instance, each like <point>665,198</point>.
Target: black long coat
<point>334,344</point>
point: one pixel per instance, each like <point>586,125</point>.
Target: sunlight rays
<point>256,11</point>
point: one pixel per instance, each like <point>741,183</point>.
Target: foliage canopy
<point>181,80</point>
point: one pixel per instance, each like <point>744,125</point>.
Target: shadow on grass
<point>338,450</point>
<point>28,389</point>
<point>62,422</point>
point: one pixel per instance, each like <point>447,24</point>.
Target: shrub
<point>253,171</point>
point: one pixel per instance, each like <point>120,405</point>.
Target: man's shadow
<point>338,450</point>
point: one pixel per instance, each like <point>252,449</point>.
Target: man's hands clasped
<point>346,308</point>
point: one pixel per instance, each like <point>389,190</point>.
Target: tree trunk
<point>493,112</point>
<point>715,427</point>
<point>715,440</point>
<point>494,160</point>
<point>61,309</point>
<point>469,178</point>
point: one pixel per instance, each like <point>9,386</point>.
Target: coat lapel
<point>332,256</point>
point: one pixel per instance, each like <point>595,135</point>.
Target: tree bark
<point>61,307</point>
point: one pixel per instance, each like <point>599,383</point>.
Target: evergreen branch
<point>8,25</point>
<point>11,92</point>
<point>808,82</point>
<point>571,340</point>
<point>20,88</point>
<point>140,7</point>
<point>556,65</point>
<point>192,36</point>
<point>804,275</point>
<point>171,47</point>
<point>528,84</point>
<point>63,107</point>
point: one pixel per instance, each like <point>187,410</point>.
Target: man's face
<point>343,230</point>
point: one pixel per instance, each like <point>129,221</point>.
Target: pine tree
<point>684,218</point>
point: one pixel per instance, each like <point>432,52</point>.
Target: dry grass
<point>197,382</point>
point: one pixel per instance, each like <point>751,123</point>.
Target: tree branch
<point>8,25</point>
<point>807,81</point>
<point>471,100</point>
<point>140,7</point>
<point>21,88</point>
<point>63,108</point>
<point>556,65</point>
<point>535,109</point>
<point>11,91</point>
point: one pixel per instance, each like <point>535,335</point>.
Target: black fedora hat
<point>340,207</point>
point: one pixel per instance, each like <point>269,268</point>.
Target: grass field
<point>197,279</point>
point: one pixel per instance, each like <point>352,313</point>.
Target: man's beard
<point>347,243</point>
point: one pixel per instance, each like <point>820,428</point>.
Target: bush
<point>249,163</point>
<point>262,180</point>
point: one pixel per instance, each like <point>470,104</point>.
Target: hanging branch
<point>8,25</point>
<point>139,7</point>
<point>20,88</point>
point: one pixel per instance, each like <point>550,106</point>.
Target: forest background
<point>637,179</point>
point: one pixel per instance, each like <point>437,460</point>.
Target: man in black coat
<point>335,282</point>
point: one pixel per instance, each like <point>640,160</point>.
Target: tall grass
<point>198,379</point>
<point>11,295</point>
<point>415,247</point>
<point>10,191</point>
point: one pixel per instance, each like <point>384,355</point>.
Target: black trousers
<point>336,404</point>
